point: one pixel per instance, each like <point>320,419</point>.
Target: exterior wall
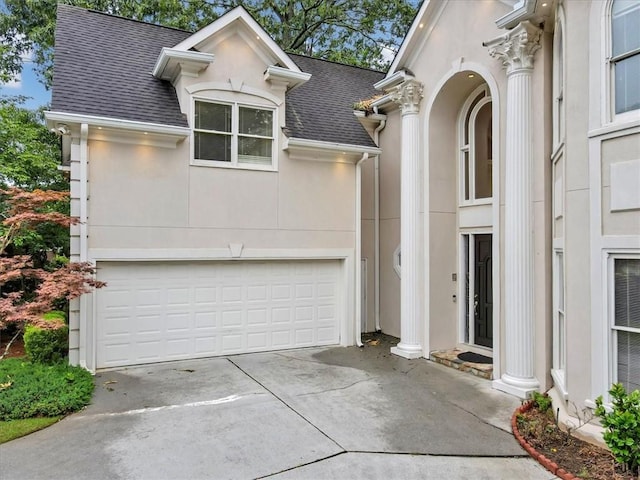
<point>390,224</point>
<point>176,205</point>
<point>576,198</point>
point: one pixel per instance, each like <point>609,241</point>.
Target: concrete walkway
<point>315,413</point>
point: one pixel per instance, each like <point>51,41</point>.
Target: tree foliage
<point>27,289</point>
<point>349,31</point>
<point>29,153</point>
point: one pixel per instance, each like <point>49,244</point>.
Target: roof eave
<point>171,61</point>
<point>286,76</point>
<point>523,10</point>
<point>317,150</point>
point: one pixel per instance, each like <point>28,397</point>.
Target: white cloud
<point>16,83</point>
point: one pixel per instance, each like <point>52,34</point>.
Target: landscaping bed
<point>566,456</point>
<point>35,395</point>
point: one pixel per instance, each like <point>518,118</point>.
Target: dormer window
<point>233,135</point>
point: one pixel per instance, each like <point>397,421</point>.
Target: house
<point>489,199</point>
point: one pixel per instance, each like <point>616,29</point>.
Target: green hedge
<point>37,390</point>
<point>47,345</point>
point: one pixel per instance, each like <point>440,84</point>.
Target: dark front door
<point>483,295</point>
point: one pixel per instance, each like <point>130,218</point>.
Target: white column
<point>408,96</point>
<point>516,49</point>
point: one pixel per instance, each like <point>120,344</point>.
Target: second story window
<point>230,134</point>
<point>625,54</point>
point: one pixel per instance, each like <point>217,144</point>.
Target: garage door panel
<point>156,311</point>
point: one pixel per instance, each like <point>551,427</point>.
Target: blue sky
<point>27,84</point>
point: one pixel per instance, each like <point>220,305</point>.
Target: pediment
<point>239,22</point>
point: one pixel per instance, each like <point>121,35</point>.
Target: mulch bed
<point>565,456</point>
<point>16,349</point>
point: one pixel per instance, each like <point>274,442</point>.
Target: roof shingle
<point>103,66</point>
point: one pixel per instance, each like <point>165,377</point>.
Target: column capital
<point>408,95</point>
<point>517,47</point>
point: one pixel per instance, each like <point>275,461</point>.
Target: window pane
<point>466,175</point>
<point>562,354</point>
<point>627,292</point>
<point>629,360</point>
<point>256,122</point>
<point>466,120</point>
<point>483,153</point>
<point>560,282</point>
<point>627,73</point>
<point>254,150</point>
<point>624,25</point>
<point>212,146</point>
<point>213,116</point>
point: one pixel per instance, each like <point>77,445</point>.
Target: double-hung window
<point>625,54</point>
<point>231,134</point>
<point>625,310</point>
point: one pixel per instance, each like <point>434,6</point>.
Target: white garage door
<point>159,311</point>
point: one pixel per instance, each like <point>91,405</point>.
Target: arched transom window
<point>476,152</point>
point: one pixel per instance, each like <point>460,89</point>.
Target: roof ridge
<point>335,63</point>
<point>120,17</point>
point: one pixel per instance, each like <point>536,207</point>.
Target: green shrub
<point>47,345</point>
<point>36,390</point>
<point>622,425</point>
<point>542,401</point>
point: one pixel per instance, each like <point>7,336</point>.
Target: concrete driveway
<point>314,413</point>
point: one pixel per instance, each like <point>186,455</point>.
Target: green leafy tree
<point>349,31</point>
<point>29,159</point>
<point>29,153</point>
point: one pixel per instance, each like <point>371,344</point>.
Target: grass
<point>34,396</point>
<point>19,428</point>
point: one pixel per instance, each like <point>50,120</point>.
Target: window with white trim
<point>625,55</point>
<point>476,137</point>
<point>559,325</point>
<point>625,321</point>
<point>558,78</point>
<point>231,134</point>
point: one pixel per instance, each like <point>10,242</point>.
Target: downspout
<point>83,253</point>
<point>358,259</point>
<point>376,226</point>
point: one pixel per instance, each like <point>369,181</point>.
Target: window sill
<point>558,381</point>
<point>477,203</point>
<point>233,166</point>
<point>621,122</point>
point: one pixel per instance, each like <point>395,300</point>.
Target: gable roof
<point>322,108</point>
<point>103,67</point>
<point>239,15</point>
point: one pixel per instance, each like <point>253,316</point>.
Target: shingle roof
<point>322,108</point>
<point>103,67</point>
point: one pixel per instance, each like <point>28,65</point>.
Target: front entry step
<point>450,358</point>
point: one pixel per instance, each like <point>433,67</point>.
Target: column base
<point>407,351</point>
<point>519,387</point>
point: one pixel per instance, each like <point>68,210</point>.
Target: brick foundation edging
<point>542,460</point>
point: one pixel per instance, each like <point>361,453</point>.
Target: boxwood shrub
<point>37,390</point>
<point>47,345</point>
